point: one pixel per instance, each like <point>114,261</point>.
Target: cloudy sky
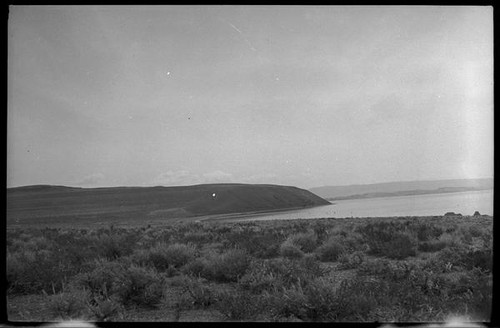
<point>299,95</point>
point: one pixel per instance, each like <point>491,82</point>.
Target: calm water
<point>465,203</point>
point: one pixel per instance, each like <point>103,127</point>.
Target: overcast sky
<point>299,95</point>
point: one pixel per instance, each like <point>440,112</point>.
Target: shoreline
<point>243,218</point>
<point>237,215</point>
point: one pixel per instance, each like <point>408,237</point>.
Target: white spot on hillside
<point>213,195</point>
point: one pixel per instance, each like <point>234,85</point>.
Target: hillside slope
<point>401,188</point>
<point>44,203</point>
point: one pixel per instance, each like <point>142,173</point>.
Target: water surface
<point>465,203</point>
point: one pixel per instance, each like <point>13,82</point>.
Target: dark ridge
<point>43,188</point>
<point>49,203</point>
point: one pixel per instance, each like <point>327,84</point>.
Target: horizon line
<point>242,183</point>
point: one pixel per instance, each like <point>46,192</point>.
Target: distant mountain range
<point>46,203</point>
<point>402,188</point>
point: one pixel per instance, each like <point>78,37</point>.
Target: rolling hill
<point>46,203</point>
<point>402,188</point>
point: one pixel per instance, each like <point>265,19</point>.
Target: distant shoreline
<point>405,193</point>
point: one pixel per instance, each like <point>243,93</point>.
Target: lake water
<point>465,203</point>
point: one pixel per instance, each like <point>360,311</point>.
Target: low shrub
<point>438,264</point>
<point>163,256</point>
<point>465,235</point>
<point>197,238</point>
<point>112,245</point>
<point>318,301</point>
<point>105,309</point>
<point>196,268</point>
<point>171,271</point>
<point>287,303</point>
<point>310,261</point>
<point>400,294</point>
<point>450,228</point>
<point>321,302</point>
<point>130,285</point>
<point>480,302</point>
<point>426,231</point>
<point>33,244</point>
<point>258,244</point>
<point>289,250</point>
<point>101,280</point>
<point>258,279</point>
<point>211,248</point>
<point>320,229</point>
<point>368,298</point>
<point>353,242</point>
<point>431,246</point>
<point>465,257</point>
<point>482,259</point>
<point>201,295</point>
<point>352,260</point>
<point>476,231</point>
<point>449,239</point>
<point>400,270</point>
<point>373,267</point>
<point>68,305</point>
<point>409,285</point>
<point>139,286</point>
<point>487,239</point>
<point>225,267</point>
<point>388,239</point>
<point>381,231</point>
<point>276,274</point>
<point>396,271</point>
<point>31,272</point>
<point>268,246</point>
<point>330,251</point>
<point>292,272</point>
<point>399,248</point>
<point>177,281</point>
<point>238,305</point>
<point>228,266</point>
<point>306,242</point>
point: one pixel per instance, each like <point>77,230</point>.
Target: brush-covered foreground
<point>378,269</point>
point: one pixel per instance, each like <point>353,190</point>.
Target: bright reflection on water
<point>465,203</point>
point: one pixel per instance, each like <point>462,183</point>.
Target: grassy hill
<point>45,204</point>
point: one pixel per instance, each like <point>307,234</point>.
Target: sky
<point>293,95</point>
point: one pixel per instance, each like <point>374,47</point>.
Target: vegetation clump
<point>291,251</point>
<point>389,239</point>
<point>405,269</point>
<point>163,256</point>
<point>330,251</point>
